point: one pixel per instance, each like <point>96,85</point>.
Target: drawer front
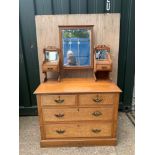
<point>60,114</point>
<point>96,99</point>
<point>105,114</point>
<point>47,68</point>
<point>77,114</point>
<point>78,130</point>
<point>58,100</point>
<point>103,67</point>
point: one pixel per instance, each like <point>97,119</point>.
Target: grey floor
<point>30,136</point>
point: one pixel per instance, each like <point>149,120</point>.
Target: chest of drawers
<point>78,112</point>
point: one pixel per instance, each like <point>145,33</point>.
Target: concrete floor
<point>30,136</point>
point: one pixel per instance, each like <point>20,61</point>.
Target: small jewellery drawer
<point>58,100</point>
<point>78,130</point>
<point>47,68</point>
<point>96,99</point>
<point>103,67</point>
<point>77,114</point>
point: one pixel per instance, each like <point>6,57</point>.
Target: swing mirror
<point>76,46</point>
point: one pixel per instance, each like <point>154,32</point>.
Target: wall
<point>28,61</point>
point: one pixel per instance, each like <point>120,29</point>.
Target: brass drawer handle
<point>50,68</point>
<point>59,115</point>
<point>96,130</point>
<point>60,131</point>
<point>96,113</point>
<point>97,99</point>
<point>59,100</point>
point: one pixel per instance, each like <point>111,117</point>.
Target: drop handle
<point>96,130</point>
<point>60,131</point>
<point>96,113</point>
<point>59,115</point>
<point>59,100</point>
<point>97,99</point>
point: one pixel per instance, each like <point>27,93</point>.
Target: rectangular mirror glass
<point>51,56</point>
<point>101,54</point>
<point>76,46</point>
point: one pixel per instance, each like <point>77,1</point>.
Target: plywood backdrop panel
<point>106,31</point>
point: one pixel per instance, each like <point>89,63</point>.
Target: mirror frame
<point>51,49</point>
<point>67,27</point>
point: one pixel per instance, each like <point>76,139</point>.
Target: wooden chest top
<point>77,85</point>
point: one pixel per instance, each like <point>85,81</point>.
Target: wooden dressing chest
<point>77,112</point>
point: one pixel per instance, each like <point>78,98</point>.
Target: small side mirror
<point>51,55</point>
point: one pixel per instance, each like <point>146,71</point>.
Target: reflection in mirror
<point>76,47</point>
<point>51,56</point>
<point>101,54</point>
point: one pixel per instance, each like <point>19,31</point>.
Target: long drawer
<point>58,100</point>
<point>96,99</point>
<point>75,114</point>
<point>78,130</point>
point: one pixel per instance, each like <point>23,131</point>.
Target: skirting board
<point>78,142</point>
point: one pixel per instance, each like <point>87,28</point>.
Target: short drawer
<point>58,100</point>
<point>78,130</point>
<point>103,67</point>
<point>96,99</point>
<point>47,68</point>
<point>77,114</point>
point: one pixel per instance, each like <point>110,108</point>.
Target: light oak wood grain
<point>78,130</point>
<point>77,114</point>
<point>76,85</point>
<point>78,142</point>
<point>48,68</point>
<point>78,111</point>
<point>54,100</point>
<point>96,99</point>
<point>115,115</point>
<point>103,67</point>
<point>40,117</point>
